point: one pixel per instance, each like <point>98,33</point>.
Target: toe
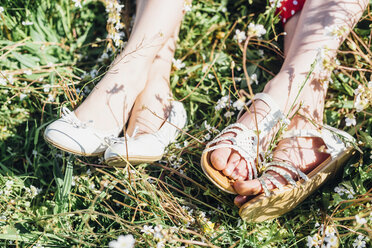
<point>232,163</point>
<point>240,172</point>
<point>240,200</point>
<point>220,157</point>
<point>249,187</point>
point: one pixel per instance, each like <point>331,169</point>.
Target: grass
<point>55,61</point>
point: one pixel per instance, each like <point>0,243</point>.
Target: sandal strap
<point>287,166</point>
<point>265,98</point>
<point>249,159</point>
<point>264,186</point>
<point>272,117</point>
<point>273,180</point>
<point>244,142</point>
<point>285,174</point>
<point>275,166</point>
<point>336,140</point>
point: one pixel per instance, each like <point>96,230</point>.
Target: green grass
<point>84,204</point>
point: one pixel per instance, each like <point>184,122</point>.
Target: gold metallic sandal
<point>244,142</point>
<point>284,198</point>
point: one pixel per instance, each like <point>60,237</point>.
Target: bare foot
<point>230,161</point>
<point>303,153</point>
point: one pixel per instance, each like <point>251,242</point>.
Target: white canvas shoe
<point>74,136</point>
<point>147,148</point>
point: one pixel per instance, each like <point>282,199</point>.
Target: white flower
<point>341,191</point>
<point>350,120</point>
<point>332,241</point>
<point>254,78</point>
<point>256,30</point>
<point>34,191</point>
<point>1,9</point>
<point>126,241</point>
<point>34,152</point>
<point>27,23</point>
<point>335,31</point>
<point>3,81</point>
<point>46,87</point>
<point>221,103</point>
<point>207,136</point>
<point>160,244</point>
<point>239,104</point>
<point>229,114</point>
<point>9,184</point>
<point>22,96</point>
<point>38,246</point>
<point>77,3</point>
<point>50,98</point>
<point>360,221</point>
<point>207,126</point>
<point>313,241</point>
<point>360,103</point>
<point>239,36</point>
<point>187,6</point>
<point>359,242</point>
<point>27,72</point>
<point>103,57</point>
<point>147,229</point>
<point>177,63</point>
<point>157,232</point>
<point>261,53</point>
<point>276,3</point>
<point>93,73</point>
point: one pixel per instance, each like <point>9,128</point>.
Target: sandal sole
<point>263,208</point>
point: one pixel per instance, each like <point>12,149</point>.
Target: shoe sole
<point>262,208</point>
<point>215,176</point>
<point>120,162</point>
<point>71,151</point>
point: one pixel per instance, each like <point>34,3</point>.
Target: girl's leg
<point>154,100</point>
<point>110,101</point>
<point>309,36</point>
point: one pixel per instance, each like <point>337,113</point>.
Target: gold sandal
<point>284,198</point>
<point>244,142</point>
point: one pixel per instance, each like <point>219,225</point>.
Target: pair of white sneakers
<point>74,136</point>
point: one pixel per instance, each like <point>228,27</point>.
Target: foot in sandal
<point>233,154</point>
<point>303,160</point>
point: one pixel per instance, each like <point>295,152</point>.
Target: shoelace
<point>113,139</point>
<point>69,117</point>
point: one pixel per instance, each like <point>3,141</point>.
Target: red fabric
<point>289,8</point>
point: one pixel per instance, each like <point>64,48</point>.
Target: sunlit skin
<point>305,34</point>
<point>149,49</point>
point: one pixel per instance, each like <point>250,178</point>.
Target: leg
<point>156,95</point>
<point>309,36</point>
<point>115,94</point>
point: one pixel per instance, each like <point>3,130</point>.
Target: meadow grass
<point>51,55</point>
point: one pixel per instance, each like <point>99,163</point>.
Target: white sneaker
<point>72,135</point>
<point>147,148</point>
